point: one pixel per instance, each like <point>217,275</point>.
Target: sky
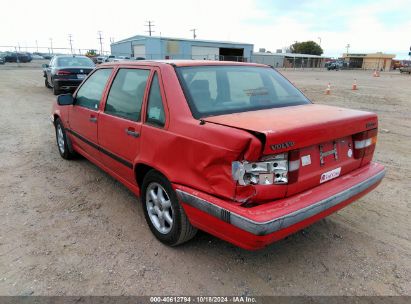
<point>367,25</point>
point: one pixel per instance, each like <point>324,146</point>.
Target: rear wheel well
<point>55,116</point>
<point>140,172</point>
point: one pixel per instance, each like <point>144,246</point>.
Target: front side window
<point>217,90</point>
<point>90,93</point>
<point>155,108</point>
<point>127,93</point>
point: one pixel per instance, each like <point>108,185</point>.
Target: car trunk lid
<point>73,72</point>
<point>322,135</point>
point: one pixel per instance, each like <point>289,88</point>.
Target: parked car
<point>121,58</point>
<point>2,61</point>
<point>110,58</point>
<point>101,59</point>
<point>46,56</point>
<point>20,57</point>
<point>405,69</point>
<point>66,72</point>
<point>233,149</point>
<point>37,57</point>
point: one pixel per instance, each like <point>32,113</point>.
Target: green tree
<point>91,53</point>
<point>306,47</point>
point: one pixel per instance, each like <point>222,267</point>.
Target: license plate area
<point>326,150</point>
<point>330,175</point>
<point>81,76</point>
<point>311,170</point>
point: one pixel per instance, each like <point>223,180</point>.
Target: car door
<point>83,115</point>
<point>49,68</point>
<point>120,122</point>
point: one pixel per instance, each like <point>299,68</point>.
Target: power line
<point>150,24</point>
<point>101,42</point>
<point>194,33</point>
<point>71,43</point>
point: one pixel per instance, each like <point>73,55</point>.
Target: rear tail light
<point>62,72</point>
<point>293,166</point>
<point>272,169</point>
<point>364,143</point>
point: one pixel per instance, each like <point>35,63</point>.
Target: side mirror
<point>45,66</point>
<point>65,100</point>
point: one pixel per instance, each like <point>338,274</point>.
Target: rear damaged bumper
<point>256,227</point>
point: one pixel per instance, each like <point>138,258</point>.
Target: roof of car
<point>74,56</point>
<point>179,63</point>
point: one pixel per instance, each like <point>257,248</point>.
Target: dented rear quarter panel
<point>194,154</point>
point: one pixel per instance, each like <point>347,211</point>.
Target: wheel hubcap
<point>60,138</point>
<point>159,208</point>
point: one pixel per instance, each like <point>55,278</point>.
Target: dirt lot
<point>67,228</point>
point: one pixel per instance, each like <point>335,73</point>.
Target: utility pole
<point>194,33</point>
<point>51,45</point>
<point>17,55</point>
<point>37,46</point>
<point>101,42</point>
<point>71,44</point>
<point>319,39</point>
<point>150,24</point>
<point>347,47</point>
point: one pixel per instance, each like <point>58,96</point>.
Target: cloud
<point>367,25</point>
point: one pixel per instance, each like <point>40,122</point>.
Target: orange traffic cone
<point>328,89</point>
<point>354,85</point>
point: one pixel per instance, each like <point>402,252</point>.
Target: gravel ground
<point>67,228</point>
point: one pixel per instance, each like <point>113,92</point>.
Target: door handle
<point>93,119</point>
<point>132,133</point>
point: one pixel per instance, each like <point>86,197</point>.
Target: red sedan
<point>233,149</point>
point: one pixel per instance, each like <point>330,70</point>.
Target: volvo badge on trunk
<point>284,145</point>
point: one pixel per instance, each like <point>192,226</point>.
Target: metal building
<point>154,47</point>
<point>288,60</point>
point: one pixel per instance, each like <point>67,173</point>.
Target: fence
<point>42,50</point>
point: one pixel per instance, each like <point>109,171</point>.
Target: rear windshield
<point>74,62</point>
<point>216,90</point>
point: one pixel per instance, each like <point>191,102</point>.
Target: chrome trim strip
<point>276,224</point>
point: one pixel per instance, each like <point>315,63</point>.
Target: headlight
<point>270,170</point>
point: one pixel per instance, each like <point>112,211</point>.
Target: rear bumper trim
<point>276,224</point>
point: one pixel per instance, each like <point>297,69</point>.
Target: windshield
<point>75,62</point>
<point>216,90</point>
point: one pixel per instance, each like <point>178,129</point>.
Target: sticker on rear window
<point>330,175</point>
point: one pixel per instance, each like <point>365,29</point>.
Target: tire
<point>46,83</point>
<point>180,230</point>
<point>63,142</point>
<point>56,89</point>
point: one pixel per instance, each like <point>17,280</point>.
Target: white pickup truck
<point>405,69</point>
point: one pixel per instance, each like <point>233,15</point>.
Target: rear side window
<point>89,94</point>
<point>127,93</point>
<point>155,108</point>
